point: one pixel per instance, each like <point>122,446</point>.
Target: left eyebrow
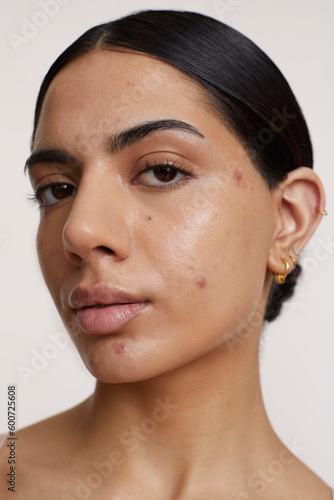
<point>136,134</point>
<point>116,143</point>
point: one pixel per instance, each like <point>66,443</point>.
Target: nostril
<point>104,249</point>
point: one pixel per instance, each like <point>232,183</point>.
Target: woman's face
<point>147,199</point>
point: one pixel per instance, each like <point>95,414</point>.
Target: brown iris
<point>165,174</point>
<point>61,191</point>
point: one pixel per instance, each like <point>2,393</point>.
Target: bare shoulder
<point>42,450</point>
<point>43,441</point>
<point>301,482</point>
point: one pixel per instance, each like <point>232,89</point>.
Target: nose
<point>96,225</point>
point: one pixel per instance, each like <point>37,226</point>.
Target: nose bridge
<point>97,220</point>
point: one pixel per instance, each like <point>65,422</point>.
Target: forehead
<point>121,86</point>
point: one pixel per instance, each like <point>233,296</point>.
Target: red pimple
<point>121,349</point>
<point>237,175</point>
<point>201,282</point>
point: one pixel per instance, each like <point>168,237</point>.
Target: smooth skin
<point>178,410</point>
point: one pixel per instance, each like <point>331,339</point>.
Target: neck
<point>187,421</point>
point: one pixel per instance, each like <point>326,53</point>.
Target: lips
<point>103,309</point>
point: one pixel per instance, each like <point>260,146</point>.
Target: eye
<point>53,193</point>
<point>162,176</point>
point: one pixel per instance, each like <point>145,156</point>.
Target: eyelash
<point>165,164</point>
<point>35,196</point>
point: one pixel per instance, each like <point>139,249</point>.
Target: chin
<point>117,362</point>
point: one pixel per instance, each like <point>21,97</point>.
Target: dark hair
<point>243,85</point>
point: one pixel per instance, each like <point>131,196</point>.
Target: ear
<point>300,200</point>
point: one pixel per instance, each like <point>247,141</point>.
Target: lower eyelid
<point>165,187</point>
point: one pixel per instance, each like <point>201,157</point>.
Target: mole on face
<point>201,282</point>
<point>148,218</point>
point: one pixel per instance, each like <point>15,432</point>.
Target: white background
<point>298,349</point>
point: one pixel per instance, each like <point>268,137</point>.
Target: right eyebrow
<point>50,156</point>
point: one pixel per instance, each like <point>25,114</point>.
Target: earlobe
<point>300,209</point>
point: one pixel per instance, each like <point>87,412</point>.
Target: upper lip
<point>100,294</point>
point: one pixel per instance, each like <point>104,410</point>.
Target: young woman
<point>173,169</point>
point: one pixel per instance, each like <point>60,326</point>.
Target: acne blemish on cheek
<point>201,282</point>
<point>237,176</point>
<point>122,349</point>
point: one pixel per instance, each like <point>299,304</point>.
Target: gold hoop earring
<point>293,260</point>
<point>322,212</point>
<point>280,278</point>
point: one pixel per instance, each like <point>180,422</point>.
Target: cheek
<point>183,251</point>
<point>211,265</point>
<point>51,255</point>
<point>186,247</point>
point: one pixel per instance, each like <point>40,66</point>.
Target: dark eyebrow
<point>116,143</point>
<point>136,134</point>
<point>49,156</point>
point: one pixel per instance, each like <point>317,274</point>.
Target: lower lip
<point>105,320</point>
